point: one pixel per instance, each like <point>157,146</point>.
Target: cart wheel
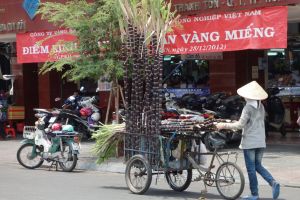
<point>138,174</point>
<point>230,180</point>
<point>179,180</point>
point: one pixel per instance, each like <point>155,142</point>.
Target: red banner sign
<point>45,46</point>
<point>188,7</point>
<point>253,29</point>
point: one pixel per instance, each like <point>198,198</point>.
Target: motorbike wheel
<point>282,131</point>
<point>86,134</point>
<point>179,180</point>
<point>267,129</point>
<point>69,160</point>
<point>208,143</point>
<point>26,159</point>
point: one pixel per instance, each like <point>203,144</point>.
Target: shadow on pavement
<point>169,193</point>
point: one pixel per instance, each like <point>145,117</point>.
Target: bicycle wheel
<point>138,174</point>
<point>230,180</point>
<point>179,180</point>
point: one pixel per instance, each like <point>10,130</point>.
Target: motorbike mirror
<point>8,77</point>
<point>81,89</point>
<point>97,90</point>
<point>71,98</point>
<point>57,99</point>
<point>12,79</point>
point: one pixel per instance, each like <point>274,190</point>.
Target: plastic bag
<point>195,148</point>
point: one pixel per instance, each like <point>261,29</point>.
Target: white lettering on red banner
<point>253,29</point>
<point>45,46</point>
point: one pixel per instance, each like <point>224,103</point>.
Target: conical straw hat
<point>253,91</point>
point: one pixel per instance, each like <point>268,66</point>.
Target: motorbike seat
<point>72,112</point>
<point>216,143</point>
<point>64,133</point>
<point>41,110</point>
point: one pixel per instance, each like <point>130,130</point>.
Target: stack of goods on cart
<point>190,125</point>
<point>170,125</point>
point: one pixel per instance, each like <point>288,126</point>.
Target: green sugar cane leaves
<point>107,139</point>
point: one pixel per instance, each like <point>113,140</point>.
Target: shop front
<point>30,89</point>
<point>244,58</point>
<point>206,69</point>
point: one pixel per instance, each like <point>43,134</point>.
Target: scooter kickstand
<point>56,165</point>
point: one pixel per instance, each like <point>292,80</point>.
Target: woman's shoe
<point>275,190</point>
<point>251,197</point>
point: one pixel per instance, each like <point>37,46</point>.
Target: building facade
<point>227,70</point>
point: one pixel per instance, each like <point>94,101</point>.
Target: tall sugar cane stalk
<point>143,24</point>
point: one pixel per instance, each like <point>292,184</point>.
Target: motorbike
<point>230,107</point>
<point>214,100</point>
<point>191,102</point>
<point>89,111</point>
<point>275,112</point>
<point>81,113</point>
<point>49,141</point>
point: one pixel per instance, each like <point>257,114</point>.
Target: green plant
<point>96,27</point>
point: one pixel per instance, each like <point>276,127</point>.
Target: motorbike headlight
<point>39,115</point>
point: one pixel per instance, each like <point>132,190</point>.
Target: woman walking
<point>253,140</point>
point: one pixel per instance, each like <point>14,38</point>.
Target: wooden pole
<point>122,96</point>
<point>117,98</point>
<point>108,106</point>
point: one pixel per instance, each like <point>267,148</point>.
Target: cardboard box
<point>15,112</point>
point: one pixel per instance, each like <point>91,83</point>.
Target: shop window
<point>284,73</point>
<point>180,73</point>
<point>185,77</point>
<point>284,66</point>
<point>89,87</point>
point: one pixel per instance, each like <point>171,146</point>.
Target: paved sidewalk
<point>283,161</point>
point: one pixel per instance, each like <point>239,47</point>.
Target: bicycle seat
<point>216,143</point>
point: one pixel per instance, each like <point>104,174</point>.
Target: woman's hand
<point>220,126</point>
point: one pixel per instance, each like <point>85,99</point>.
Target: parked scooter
<point>275,112</point>
<point>82,113</point>
<point>89,111</point>
<point>230,107</point>
<point>213,101</point>
<point>49,141</point>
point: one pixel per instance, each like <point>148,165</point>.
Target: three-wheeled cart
<point>176,154</point>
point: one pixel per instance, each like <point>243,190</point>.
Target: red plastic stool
<point>10,131</point>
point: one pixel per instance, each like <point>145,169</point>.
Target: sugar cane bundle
<point>143,26</point>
